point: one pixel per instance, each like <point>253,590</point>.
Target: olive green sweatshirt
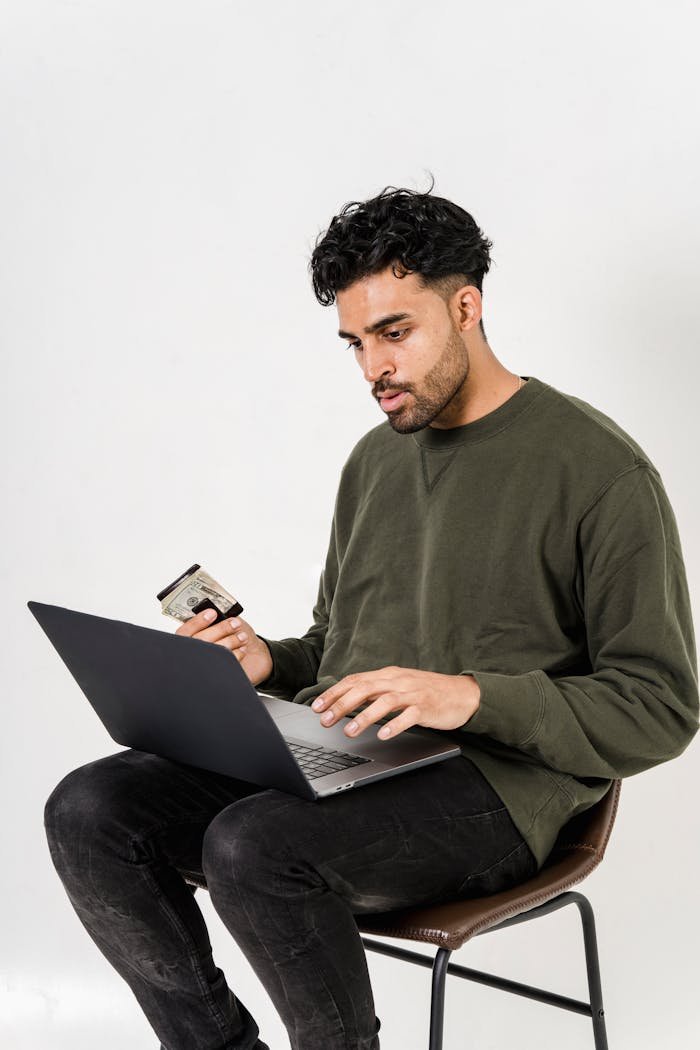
<point>536,549</point>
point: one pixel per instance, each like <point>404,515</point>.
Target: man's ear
<point>466,307</point>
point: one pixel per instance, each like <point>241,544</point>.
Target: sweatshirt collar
<point>486,426</point>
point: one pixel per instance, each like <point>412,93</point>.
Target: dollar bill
<point>194,589</point>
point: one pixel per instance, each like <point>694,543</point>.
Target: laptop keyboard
<point>317,761</point>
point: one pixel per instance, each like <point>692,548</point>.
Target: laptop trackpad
<point>278,708</point>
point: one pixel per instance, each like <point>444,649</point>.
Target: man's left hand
<point>424,698</point>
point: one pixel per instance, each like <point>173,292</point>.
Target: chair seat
<point>579,848</point>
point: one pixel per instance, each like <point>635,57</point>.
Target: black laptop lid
<point>175,696</point>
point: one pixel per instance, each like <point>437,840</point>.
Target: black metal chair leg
<point>595,991</point>
<point>437,999</point>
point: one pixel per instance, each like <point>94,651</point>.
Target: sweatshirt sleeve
<point>639,706</point>
<point>295,661</point>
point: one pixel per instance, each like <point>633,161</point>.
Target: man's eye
<point>397,331</point>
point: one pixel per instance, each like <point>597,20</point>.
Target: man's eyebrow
<point>381,323</point>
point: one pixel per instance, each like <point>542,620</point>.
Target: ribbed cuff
<point>511,707</point>
<point>290,669</point>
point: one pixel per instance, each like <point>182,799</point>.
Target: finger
<point>237,640</point>
<point>239,653</point>
<point>233,642</point>
<point>196,623</point>
<point>381,706</point>
<point>408,717</point>
<point>222,629</point>
<point>349,702</point>
<point>365,681</point>
<point>334,692</point>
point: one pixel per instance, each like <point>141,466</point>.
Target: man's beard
<point>440,385</point>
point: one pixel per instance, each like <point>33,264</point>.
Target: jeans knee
<point>231,848</point>
<point>219,847</point>
<point>71,804</point>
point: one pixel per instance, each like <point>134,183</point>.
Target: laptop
<point>191,701</point>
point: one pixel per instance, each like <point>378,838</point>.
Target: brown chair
<point>579,848</point>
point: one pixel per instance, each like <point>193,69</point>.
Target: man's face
<point>413,346</point>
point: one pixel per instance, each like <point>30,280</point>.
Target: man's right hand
<point>251,652</point>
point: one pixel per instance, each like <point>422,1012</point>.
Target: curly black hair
<point>410,231</point>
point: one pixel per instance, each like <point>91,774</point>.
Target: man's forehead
<point>380,299</point>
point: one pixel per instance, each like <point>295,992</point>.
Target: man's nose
<point>376,362</point>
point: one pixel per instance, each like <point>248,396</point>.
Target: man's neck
<point>482,394</point>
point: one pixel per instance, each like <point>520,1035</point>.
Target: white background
<point>173,392</point>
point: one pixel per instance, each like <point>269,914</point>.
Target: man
<point>504,567</point>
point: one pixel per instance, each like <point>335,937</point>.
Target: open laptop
<point>191,701</point>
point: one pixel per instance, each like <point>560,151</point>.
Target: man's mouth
<point>391,400</point>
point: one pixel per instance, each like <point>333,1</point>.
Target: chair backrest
<point>579,848</point>
<point>586,835</point>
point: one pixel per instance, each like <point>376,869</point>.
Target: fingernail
<point>209,614</point>
<point>235,623</point>
<point>327,718</point>
<point>317,704</point>
<point>353,727</point>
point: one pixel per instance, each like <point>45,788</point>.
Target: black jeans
<point>286,875</point>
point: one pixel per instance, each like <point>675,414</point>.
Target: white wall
<point>164,170</point>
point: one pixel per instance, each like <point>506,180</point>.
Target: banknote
<point>194,591</point>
